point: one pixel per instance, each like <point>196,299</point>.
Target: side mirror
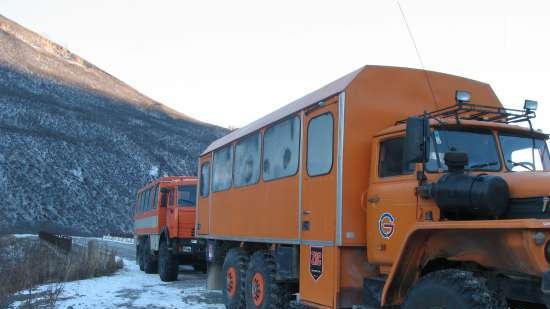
<point>416,141</point>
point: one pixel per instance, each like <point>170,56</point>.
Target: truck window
<point>223,163</point>
<point>480,145</point>
<point>154,196</point>
<point>145,199</point>
<point>205,179</point>
<point>187,196</point>
<point>281,149</point>
<point>140,203</point>
<point>247,161</point>
<point>171,197</point>
<point>319,145</point>
<point>391,159</point>
<point>524,153</point>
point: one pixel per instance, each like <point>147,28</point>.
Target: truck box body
<point>363,103</point>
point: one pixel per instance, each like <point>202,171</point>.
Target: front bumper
<point>190,248</point>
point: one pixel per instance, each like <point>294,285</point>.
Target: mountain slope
<point>76,143</point>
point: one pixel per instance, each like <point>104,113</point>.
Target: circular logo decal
<point>386,225</point>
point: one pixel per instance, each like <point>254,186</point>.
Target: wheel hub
<point>258,289</point>
<point>231,281</point>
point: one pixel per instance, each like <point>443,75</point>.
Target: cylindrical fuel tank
<point>463,196</point>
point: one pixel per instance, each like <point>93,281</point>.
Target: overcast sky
<point>231,62</point>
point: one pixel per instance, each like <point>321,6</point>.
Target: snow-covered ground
<point>131,288</point>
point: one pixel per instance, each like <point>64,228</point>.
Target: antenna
<point>426,75</point>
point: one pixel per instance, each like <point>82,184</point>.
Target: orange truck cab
<point>164,227</point>
<point>389,187</point>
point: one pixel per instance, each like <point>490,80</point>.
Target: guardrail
<point>63,242</point>
<point>118,239</point>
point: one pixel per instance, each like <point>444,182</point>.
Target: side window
<point>391,159</point>
<point>319,145</point>
<point>140,202</point>
<point>223,166</point>
<point>171,197</point>
<point>281,149</point>
<point>247,161</point>
<point>145,199</point>
<point>154,196</point>
<point>205,179</point>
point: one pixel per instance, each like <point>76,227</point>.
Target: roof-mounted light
<point>530,105</point>
<point>462,96</point>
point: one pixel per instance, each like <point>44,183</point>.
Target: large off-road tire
<point>150,265</point>
<point>167,263</point>
<point>262,290</point>
<point>452,289</point>
<point>234,272</point>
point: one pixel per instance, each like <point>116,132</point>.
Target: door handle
<point>306,212</point>
<point>374,199</point>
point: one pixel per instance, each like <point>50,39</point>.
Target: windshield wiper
<point>482,165</point>
<point>528,165</point>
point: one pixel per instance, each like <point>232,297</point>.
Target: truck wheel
<point>262,290</point>
<point>234,270</point>
<point>167,264</point>
<point>451,289</point>
<point>149,263</point>
<point>140,258</point>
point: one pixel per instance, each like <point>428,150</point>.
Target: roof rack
<point>467,111</point>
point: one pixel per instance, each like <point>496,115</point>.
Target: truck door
<point>318,213</point>
<point>172,212</point>
<point>203,202</point>
<point>391,202</point>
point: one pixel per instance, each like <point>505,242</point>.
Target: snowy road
<point>133,289</point>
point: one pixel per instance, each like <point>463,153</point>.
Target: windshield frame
<point>527,135</point>
<point>469,129</point>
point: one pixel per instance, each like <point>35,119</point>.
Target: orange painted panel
<point>319,287</point>
<point>267,210</point>
<point>319,192</point>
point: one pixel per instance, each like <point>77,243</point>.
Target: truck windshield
<point>187,196</point>
<point>479,145</point>
<point>524,153</point>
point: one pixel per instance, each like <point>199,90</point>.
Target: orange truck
<point>164,227</point>
<point>388,187</point>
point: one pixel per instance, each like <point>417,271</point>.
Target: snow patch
<point>131,288</point>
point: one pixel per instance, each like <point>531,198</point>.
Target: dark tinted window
<point>247,161</point>
<point>223,167</point>
<point>319,145</point>
<point>187,196</point>
<point>205,179</point>
<point>281,149</point>
<point>391,159</point>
